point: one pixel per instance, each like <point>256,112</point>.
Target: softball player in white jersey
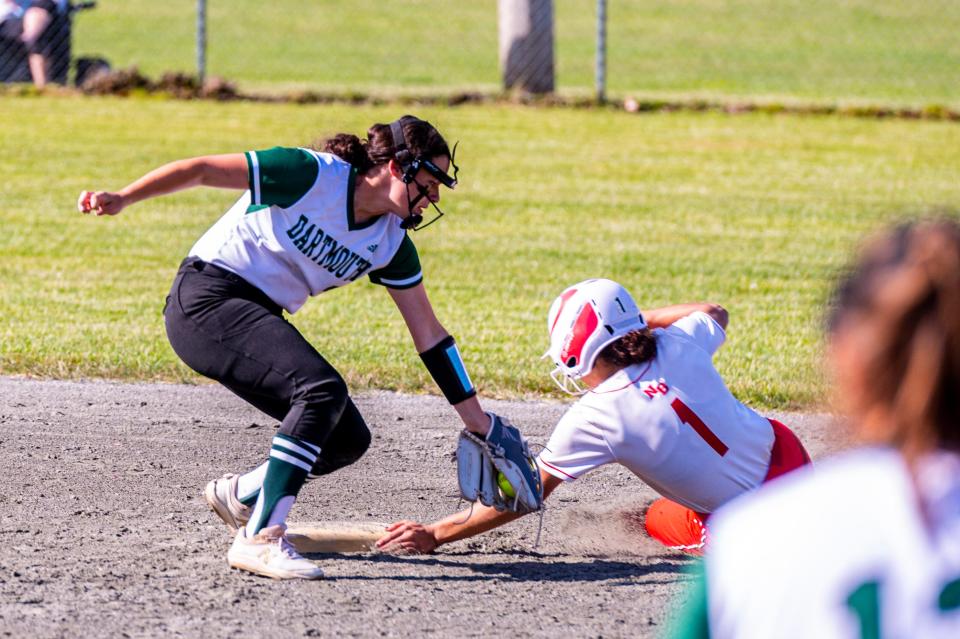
<point>868,546</point>
<point>307,221</point>
<point>655,404</point>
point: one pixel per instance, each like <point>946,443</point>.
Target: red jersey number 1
<point>687,416</point>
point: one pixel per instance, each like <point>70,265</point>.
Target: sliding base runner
<point>650,400</point>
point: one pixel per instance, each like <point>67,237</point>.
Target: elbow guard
<point>446,367</point>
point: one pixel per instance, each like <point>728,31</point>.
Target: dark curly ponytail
<point>636,347</point>
<point>349,148</point>
<point>422,139</point>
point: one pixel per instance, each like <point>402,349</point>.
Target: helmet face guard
<point>567,384</point>
<point>411,166</point>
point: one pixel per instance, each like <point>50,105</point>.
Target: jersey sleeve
<point>403,271</point>
<point>702,329</point>
<point>575,448</point>
<point>280,176</point>
<point>691,619</point>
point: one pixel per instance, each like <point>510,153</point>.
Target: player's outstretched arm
<point>667,315</point>
<point>412,537</point>
<point>439,353</point>
<point>223,171</point>
<point>489,444</point>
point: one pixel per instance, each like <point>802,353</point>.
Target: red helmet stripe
<point>583,328</point>
<point>566,295</point>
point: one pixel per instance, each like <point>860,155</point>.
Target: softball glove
<point>490,469</point>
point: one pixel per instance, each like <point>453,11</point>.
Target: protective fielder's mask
<point>411,166</point>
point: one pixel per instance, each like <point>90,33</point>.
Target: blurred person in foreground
<point>651,401</point>
<point>868,545</point>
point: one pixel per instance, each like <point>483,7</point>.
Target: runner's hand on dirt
<point>408,537</point>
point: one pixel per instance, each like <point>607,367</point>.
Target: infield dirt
<point>104,530</point>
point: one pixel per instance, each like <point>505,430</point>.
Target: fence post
<point>526,44</point>
<point>201,40</point>
<point>601,51</point>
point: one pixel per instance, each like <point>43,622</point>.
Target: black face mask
<point>410,168</point>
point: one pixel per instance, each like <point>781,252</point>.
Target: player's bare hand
<point>100,202</point>
<point>408,537</point>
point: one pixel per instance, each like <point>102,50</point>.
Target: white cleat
<point>221,494</point>
<point>270,554</point>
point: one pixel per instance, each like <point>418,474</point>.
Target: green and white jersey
<point>292,234</point>
<point>854,548</point>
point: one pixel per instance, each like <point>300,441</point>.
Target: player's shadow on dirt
<point>539,570</point>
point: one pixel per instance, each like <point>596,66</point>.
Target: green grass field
<point>886,51</point>
<point>756,212</point>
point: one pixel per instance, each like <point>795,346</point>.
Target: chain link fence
<point>877,51</point>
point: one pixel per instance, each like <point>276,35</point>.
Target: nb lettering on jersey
<point>326,251</point>
<point>652,389</point>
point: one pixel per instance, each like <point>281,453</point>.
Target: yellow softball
<point>505,486</point>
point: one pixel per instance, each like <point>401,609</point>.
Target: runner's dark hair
<point>636,347</point>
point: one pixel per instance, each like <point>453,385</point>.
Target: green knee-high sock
<point>251,483</point>
<point>290,461</point>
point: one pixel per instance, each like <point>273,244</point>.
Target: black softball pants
<point>226,329</point>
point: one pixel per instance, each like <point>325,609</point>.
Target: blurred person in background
<point>651,401</point>
<point>46,35</point>
<point>11,10</point>
<point>13,55</point>
<point>868,544</point>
